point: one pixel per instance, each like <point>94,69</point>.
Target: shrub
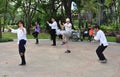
<point>5,39</point>
<point>107,28</point>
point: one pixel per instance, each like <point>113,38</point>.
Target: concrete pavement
<point>46,61</point>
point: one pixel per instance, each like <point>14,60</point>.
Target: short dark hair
<point>20,21</point>
<point>97,27</point>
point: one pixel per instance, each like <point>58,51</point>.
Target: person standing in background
<point>54,28</point>
<point>91,33</point>
<point>36,32</point>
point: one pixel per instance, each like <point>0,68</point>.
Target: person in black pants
<point>21,33</point>
<point>22,51</point>
<point>99,52</point>
<point>36,32</point>
<point>54,28</point>
<point>103,44</point>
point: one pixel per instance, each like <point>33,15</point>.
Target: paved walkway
<point>46,61</point>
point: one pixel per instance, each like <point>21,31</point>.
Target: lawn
<point>9,36</point>
<point>111,38</point>
<point>14,36</point>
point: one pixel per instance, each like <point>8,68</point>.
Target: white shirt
<point>53,25</point>
<point>21,34</point>
<point>101,36</point>
<point>68,27</point>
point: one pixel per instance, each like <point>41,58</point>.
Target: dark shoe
<point>53,45</point>
<point>68,51</point>
<point>36,43</point>
<point>22,64</point>
<point>103,61</point>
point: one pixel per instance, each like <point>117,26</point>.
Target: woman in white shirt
<point>21,34</point>
<point>103,44</point>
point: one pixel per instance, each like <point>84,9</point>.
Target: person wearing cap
<point>21,34</point>
<point>66,33</point>
<point>54,28</point>
<point>103,44</point>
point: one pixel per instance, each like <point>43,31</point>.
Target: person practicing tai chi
<point>103,44</point>
<point>21,34</point>
<point>54,28</point>
<point>66,33</point>
<point>36,32</point>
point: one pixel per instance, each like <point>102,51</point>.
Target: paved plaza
<point>44,60</point>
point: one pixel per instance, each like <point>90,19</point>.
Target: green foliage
<point>111,39</point>
<point>9,35</point>
<point>107,28</point>
<point>42,11</point>
<point>111,27</point>
<point>107,2</point>
<point>14,26</point>
<point>2,3</point>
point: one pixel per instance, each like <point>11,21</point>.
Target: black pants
<point>35,35</point>
<point>53,36</point>
<point>99,52</point>
<point>85,35</point>
<point>90,38</point>
<point>22,50</point>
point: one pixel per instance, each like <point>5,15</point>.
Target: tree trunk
<point>0,29</point>
<point>67,6</point>
<point>89,16</point>
<point>118,38</point>
<point>53,11</point>
<point>5,12</point>
<point>28,23</point>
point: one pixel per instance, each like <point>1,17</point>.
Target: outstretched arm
<point>62,27</point>
<point>12,30</point>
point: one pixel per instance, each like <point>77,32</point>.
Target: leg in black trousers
<point>89,38</point>
<point>35,35</point>
<point>37,41</point>
<point>22,51</point>
<point>53,37</point>
<point>99,52</point>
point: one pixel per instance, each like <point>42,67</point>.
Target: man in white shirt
<point>54,28</point>
<point>103,44</point>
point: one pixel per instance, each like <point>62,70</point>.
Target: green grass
<point>9,36</point>
<point>14,36</point>
<point>111,38</point>
<point>41,36</point>
<point>6,40</point>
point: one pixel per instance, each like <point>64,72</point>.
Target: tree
<point>67,7</point>
<point>86,11</point>
<point>0,28</point>
<point>28,8</point>
<point>1,15</point>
